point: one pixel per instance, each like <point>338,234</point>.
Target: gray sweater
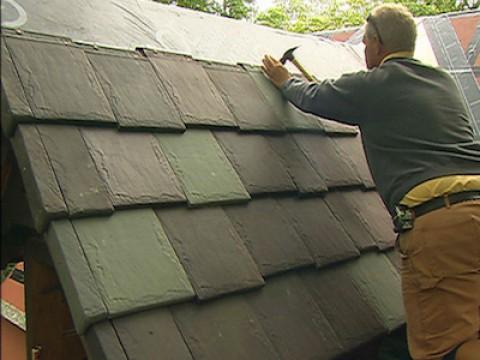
<point>412,118</point>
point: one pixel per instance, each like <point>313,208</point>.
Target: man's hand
<point>274,69</point>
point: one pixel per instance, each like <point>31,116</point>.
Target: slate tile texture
<point>144,102</point>
<point>41,186</point>
<point>252,112</point>
<point>230,266</point>
<point>346,210</point>
<point>14,102</point>
<point>192,90</point>
<point>269,236</point>
<point>223,329</point>
<point>293,321</point>
<point>125,246</point>
<point>305,177</point>
<point>81,185</point>
<point>196,155</point>
<point>59,82</point>
<point>335,292</point>
<point>259,167</point>
<point>140,334</point>
<point>193,213</point>
<point>84,299</point>
<point>323,234</point>
<point>133,166</point>
<point>327,158</point>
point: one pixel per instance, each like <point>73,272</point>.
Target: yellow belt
<point>440,186</point>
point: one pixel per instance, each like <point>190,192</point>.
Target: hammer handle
<point>305,73</point>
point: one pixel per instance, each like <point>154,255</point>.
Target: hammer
<point>288,55</point>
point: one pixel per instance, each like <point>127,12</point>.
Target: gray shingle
<point>82,187</point>
<point>59,82</point>
<point>133,166</point>
<point>192,91</point>
<point>150,334</point>
<point>43,192</point>
<point>223,329</point>
<point>328,159</point>
<point>253,111</point>
<point>269,235</point>
<point>323,234</point>
<point>259,167</point>
<point>101,342</point>
<point>293,321</point>
<point>207,233</point>
<point>137,97</point>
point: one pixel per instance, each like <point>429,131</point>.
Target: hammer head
<point>288,55</point>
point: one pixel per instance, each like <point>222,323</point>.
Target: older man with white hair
<point>425,162</point>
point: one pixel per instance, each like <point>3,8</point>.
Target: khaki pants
<point>441,280</point>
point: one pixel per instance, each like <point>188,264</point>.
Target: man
<point>426,165</point>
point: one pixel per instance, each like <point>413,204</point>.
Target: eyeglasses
<point>375,27</point>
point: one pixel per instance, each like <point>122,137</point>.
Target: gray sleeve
<point>342,100</point>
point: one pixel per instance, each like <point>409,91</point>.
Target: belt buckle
<point>404,219</point>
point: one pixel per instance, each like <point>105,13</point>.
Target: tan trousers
<point>441,282</point>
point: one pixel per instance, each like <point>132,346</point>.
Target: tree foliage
<point>235,9</point>
<point>309,16</point>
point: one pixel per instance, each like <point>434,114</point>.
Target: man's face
<point>372,51</point>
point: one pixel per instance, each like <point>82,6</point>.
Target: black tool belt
<point>405,216</point>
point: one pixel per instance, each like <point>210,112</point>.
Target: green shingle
<point>75,275</point>
<point>132,261</point>
<point>205,172</point>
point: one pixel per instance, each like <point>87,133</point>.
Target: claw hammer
<point>288,55</point>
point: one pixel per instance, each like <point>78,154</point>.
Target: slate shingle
<point>192,90</point>
<point>293,321</point>
<point>355,322</point>
<point>364,217</point>
<point>82,187</point>
<point>41,186</point>
<point>331,127</point>
<point>15,107</point>
<point>334,165</point>
<point>292,118</point>
<point>59,82</point>
<point>133,166</point>
<point>259,167</point>
<point>150,335</point>
<point>137,97</point>
<point>343,205</point>
<point>202,167</point>
<point>101,342</point>
<point>223,329</point>
<point>207,233</point>
<point>252,112</point>
<point>300,169</point>
<point>269,236</point>
<point>354,148</point>
<point>376,217</point>
<point>374,275</point>
<point>73,269</point>
<point>133,263</point>
<point>323,234</point>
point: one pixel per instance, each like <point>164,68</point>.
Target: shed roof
<point>190,210</point>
